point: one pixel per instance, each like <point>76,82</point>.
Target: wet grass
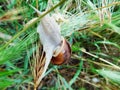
<point>92,28</point>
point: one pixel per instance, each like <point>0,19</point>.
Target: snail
<point>62,54</point>
<point>55,47</point>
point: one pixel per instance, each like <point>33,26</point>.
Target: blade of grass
<point>73,80</point>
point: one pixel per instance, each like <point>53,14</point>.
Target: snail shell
<point>62,54</point>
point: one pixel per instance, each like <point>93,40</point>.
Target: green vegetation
<point>92,27</point>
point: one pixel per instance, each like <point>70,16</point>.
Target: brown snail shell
<point>63,55</point>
